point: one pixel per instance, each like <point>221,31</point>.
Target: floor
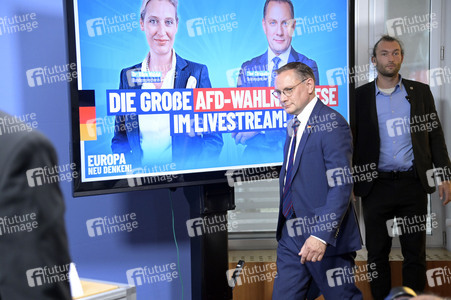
<point>432,254</point>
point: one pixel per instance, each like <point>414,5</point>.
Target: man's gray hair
<point>302,70</point>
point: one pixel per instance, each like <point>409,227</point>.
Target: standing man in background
<point>278,24</point>
<point>396,127</point>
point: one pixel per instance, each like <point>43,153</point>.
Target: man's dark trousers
<point>403,198</point>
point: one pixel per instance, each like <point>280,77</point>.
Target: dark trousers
<point>294,279</point>
<point>401,198</point>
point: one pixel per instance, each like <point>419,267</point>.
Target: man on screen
<point>278,24</point>
<point>148,140</point>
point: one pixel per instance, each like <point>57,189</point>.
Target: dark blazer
<point>321,150</point>
<point>260,63</point>
<point>429,148</point>
<point>186,150</point>
<point>45,245</point>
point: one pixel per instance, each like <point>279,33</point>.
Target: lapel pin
<point>411,87</point>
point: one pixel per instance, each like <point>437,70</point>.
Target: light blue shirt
<point>393,113</point>
<point>283,61</point>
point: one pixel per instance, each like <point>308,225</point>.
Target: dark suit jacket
<point>43,246</point>
<point>321,150</point>
<point>185,149</point>
<point>260,63</point>
<point>428,147</point>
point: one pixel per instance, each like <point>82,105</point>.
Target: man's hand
<point>242,137</point>
<point>313,250</point>
<point>444,190</point>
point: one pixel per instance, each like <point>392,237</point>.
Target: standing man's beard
<point>394,72</point>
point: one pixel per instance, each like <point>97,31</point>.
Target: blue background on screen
<point>320,34</point>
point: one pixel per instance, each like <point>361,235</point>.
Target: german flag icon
<point>88,130</point>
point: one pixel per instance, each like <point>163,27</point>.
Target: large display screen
<point>172,94</point>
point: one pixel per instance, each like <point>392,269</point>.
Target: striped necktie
<point>287,203</point>
<point>276,60</point>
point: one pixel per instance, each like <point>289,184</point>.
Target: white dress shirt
<point>303,118</point>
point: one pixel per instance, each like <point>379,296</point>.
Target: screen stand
<point>209,240</point>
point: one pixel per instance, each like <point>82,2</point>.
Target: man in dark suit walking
<point>317,229</point>
<point>33,238</point>
<point>278,24</point>
<point>396,128</point>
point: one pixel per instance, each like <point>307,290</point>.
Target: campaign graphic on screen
<point>188,89</point>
